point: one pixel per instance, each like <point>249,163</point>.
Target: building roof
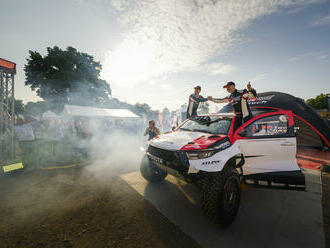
<point>74,110</point>
<point>8,65</point>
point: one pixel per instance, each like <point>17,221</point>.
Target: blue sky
<point>156,51</point>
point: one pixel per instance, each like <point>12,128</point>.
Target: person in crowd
<point>238,99</point>
<point>194,100</point>
<point>152,130</point>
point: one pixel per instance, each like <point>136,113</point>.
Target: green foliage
<point>143,110</point>
<point>35,108</point>
<point>19,106</point>
<point>319,102</point>
<point>66,77</point>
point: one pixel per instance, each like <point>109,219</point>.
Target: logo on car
<point>211,162</point>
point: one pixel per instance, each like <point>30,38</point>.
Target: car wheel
<point>151,172</point>
<point>221,197</point>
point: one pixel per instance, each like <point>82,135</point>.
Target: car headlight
<point>194,155</point>
<point>200,155</point>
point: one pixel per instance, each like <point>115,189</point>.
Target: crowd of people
<point>63,140</point>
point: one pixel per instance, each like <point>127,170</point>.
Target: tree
<point>319,102</point>
<point>143,109</point>
<point>66,76</point>
<point>19,106</point>
<point>35,108</point>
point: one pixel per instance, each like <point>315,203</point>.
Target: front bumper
<point>174,162</point>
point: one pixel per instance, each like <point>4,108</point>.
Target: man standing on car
<point>194,100</point>
<point>238,99</point>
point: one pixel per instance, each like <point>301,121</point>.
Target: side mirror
<point>242,133</point>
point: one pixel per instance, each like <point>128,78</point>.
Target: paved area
<point>267,217</point>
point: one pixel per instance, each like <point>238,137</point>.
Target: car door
<point>268,144</point>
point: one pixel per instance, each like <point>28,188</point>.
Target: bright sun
<point>131,63</point>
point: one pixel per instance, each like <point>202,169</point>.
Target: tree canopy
<point>66,76</point>
<point>35,108</point>
<point>319,102</point>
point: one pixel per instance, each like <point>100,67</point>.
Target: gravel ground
<point>80,208</point>
<point>90,208</point>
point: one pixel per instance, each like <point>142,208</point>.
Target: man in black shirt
<point>194,100</point>
<point>238,99</point>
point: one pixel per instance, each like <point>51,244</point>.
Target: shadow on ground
<point>267,217</point>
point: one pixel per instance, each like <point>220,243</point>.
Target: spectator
<point>152,130</point>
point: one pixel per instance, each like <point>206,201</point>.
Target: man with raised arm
<point>238,99</point>
<point>194,100</point>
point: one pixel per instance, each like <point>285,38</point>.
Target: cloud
<point>259,77</point>
<point>162,37</point>
<point>321,57</point>
<point>217,69</point>
<point>293,59</point>
<point>324,20</point>
<point>314,55</point>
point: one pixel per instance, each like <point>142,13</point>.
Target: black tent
<point>313,130</point>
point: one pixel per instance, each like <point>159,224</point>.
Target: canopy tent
<point>49,115</point>
<point>84,111</point>
<point>313,130</point>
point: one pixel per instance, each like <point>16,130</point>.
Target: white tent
<point>49,115</point>
<point>83,111</point>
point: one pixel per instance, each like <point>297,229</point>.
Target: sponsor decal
<point>157,160</point>
<point>261,100</point>
<point>192,146</point>
<point>223,145</point>
<point>283,118</point>
<point>211,162</point>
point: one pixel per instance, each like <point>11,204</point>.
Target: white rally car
<point>216,155</point>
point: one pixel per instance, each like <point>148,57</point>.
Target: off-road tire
<point>221,196</point>
<point>151,172</point>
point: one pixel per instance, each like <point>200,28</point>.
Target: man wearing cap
<point>238,99</point>
<point>194,100</point>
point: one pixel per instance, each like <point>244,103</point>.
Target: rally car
<point>218,154</point>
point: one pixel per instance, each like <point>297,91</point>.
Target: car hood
<point>185,140</point>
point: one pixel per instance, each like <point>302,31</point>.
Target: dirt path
<point>80,208</point>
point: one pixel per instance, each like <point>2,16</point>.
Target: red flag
<point>160,117</point>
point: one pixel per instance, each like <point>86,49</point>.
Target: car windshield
<point>207,124</point>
